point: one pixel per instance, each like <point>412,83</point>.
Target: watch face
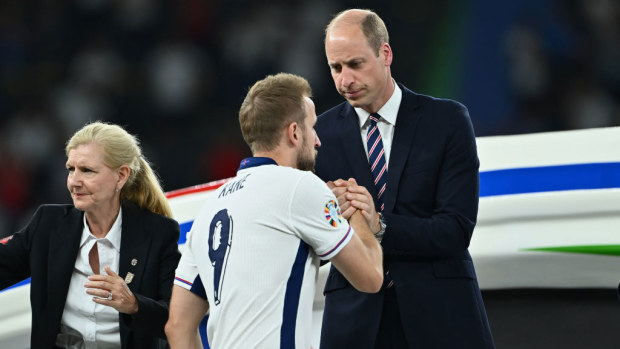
<point>381,231</point>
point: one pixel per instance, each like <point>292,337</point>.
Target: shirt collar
<point>388,112</point>
<point>113,236</point>
<point>256,161</point>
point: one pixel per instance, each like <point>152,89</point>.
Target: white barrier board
<point>549,217</point>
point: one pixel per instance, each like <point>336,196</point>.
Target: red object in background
<point>222,160</point>
<point>14,181</point>
<point>196,17</point>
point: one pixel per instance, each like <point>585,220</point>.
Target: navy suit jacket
<point>431,205</point>
<point>46,250</point>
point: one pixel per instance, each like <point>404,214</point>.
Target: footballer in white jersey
<point>253,252</point>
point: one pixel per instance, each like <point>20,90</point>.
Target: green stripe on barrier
<point>605,250</point>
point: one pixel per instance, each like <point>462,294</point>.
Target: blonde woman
<point>102,269</point>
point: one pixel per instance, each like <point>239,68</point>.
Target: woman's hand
<point>111,290</point>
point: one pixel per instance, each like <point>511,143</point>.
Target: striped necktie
<point>376,157</point>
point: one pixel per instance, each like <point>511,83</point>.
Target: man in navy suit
<point>419,194</point>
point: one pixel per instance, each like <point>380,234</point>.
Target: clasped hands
<point>352,197</point>
<point>112,291</point>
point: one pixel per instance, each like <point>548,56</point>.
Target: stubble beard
<point>305,161</point>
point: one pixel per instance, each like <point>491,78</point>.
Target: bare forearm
<point>372,254</point>
<point>186,312</point>
<point>373,248</point>
<point>182,340</point>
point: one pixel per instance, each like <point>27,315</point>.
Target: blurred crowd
<point>174,73</point>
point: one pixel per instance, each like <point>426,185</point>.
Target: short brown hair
<point>372,26</point>
<point>270,105</point>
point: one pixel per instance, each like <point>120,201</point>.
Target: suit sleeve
<point>153,313</point>
<point>441,225</point>
<point>15,253</point>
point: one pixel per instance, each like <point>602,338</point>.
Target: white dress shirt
<point>386,124</point>
<point>86,324</point>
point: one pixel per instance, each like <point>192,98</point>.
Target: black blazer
<point>431,204</point>
<point>46,250</point>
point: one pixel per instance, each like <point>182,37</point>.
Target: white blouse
<point>86,324</point>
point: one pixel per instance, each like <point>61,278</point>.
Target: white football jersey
<point>254,252</point>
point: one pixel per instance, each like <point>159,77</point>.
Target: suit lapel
<point>133,251</point>
<point>404,132</point>
<point>353,149</point>
<point>63,249</point>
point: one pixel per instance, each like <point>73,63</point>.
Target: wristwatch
<point>379,234</point>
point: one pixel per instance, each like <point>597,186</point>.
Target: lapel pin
<point>134,262</point>
<point>129,278</point>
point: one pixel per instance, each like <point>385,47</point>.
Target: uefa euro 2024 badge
<point>332,213</point>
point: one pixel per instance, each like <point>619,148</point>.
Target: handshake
<point>353,197</point>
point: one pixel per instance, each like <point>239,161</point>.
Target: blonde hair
<point>270,105</point>
<point>121,148</point>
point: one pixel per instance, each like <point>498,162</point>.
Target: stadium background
<point>175,72</point>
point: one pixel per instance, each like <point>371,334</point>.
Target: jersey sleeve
<point>316,217</point>
<point>186,274</point>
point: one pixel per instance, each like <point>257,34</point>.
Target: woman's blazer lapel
<point>64,245</point>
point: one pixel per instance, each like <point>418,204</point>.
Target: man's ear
<point>387,53</point>
<point>293,133</point>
